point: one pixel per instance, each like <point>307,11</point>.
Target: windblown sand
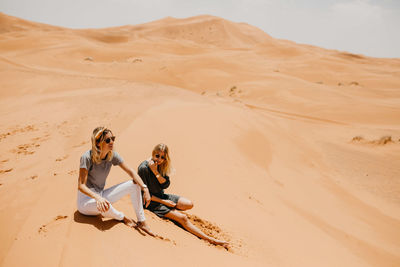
<point>290,152</point>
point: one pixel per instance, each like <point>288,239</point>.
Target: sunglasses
<point>158,156</point>
<point>108,140</point>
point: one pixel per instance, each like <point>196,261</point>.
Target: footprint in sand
<point>25,149</point>
<point>234,92</point>
<point>28,149</point>
<point>46,227</point>
<point>73,172</point>
<point>134,60</point>
<point>28,128</point>
<point>4,135</point>
<point>62,158</point>
<point>384,140</point>
<point>41,138</point>
<point>354,83</point>
<point>254,199</point>
<point>7,170</point>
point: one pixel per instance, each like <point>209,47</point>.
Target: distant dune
<point>289,151</point>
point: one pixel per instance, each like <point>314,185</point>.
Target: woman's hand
<point>146,197</point>
<point>103,204</point>
<point>153,166</point>
<point>169,203</point>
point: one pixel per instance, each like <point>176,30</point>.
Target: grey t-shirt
<point>97,173</point>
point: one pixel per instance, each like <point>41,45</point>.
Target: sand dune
<point>289,151</point>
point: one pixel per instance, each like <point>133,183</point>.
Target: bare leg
<point>184,204</point>
<point>185,222</point>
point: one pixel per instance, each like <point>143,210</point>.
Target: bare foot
<point>129,222</point>
<point>143,225</point>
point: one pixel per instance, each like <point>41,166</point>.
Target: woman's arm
<point>102,204</point>
<point>166,202</point>
<point>153,168</point>
<point>137,180</point>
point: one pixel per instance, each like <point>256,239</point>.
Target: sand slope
<point>289,151</point>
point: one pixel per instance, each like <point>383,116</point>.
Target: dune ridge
<point>289,151</point>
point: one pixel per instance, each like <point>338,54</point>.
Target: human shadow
<point>96,221</point>
<point>99,222</point>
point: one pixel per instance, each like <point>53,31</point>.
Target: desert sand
<point>290,152</point>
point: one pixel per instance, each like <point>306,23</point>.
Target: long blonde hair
<point>165,167</point>
<point>98,136</point>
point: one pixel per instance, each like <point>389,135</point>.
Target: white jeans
<point>88,205</point>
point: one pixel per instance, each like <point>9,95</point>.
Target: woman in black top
<point>154,173</point>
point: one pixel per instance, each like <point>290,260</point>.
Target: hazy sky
<point>369,27</point>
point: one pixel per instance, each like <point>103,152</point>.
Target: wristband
<point>144,187</point>
<point>158,175</point>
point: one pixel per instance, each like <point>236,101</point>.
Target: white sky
<point>369,27</point>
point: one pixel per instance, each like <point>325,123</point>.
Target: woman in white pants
<point>95,165</point>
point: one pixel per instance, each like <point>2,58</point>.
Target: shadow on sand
<point>99,222</point>
<point>96,221</point>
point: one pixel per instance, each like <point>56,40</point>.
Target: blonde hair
<point>98,137</point>
<point>165,167</point>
